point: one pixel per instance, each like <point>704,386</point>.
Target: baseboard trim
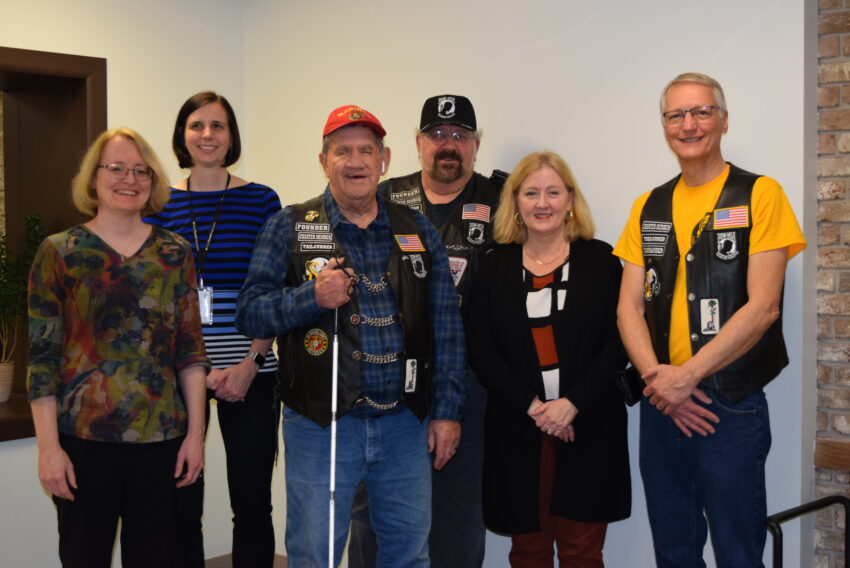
<point>225,561</point>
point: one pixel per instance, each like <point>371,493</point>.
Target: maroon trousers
<point>579,544</point>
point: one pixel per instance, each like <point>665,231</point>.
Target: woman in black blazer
<point>543,339</point>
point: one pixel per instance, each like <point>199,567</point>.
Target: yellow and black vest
<point>716,282</point>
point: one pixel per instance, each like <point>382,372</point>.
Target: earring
<point>570,214</point>
<point>517,219</point>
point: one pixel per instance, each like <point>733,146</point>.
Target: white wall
<point>581,78</point>
<point>158,53</point>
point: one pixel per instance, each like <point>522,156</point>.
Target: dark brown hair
<point>193,103</point>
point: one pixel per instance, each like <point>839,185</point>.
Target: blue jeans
<point>719,478</point>
<point>389,451</point>
<point>457,515</point>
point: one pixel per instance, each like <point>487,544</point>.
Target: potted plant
<point>14,270</point>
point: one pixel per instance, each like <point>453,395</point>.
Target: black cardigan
<point>592,482</point>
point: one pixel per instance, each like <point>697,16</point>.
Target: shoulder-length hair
<point>193,103</point>
<point>509,228</point>
<point>82,186</point>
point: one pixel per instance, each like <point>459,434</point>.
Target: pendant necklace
<point>545,262</point>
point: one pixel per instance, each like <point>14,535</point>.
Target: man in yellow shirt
<point>700,316</point>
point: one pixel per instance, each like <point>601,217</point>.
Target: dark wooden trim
<point>86,77</point>
<point>92,69</point>
<point>15,418</point>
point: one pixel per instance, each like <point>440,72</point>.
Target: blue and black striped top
<point>243,213</point>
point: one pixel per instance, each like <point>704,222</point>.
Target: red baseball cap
<point>351,114</point>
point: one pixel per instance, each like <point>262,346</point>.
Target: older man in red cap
<point>377,273</point>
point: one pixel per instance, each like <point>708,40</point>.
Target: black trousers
<point>249,430</point>
<point>133,482</point>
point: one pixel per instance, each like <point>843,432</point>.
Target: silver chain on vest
<point>380,359</point>
<point>378,322</point>
<point>378,405</point>
<point>374,288</point>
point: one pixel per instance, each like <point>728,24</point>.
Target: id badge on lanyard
<point>205,296</point>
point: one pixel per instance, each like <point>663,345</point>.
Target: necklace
<point>544,262</point>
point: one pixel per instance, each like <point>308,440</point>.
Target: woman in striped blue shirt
<point>220,215</point>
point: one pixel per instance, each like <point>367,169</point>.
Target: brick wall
<point>833,277</point>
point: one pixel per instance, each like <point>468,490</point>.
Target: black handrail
<point>773,522</point>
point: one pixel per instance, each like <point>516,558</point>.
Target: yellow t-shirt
<point>774,226</point>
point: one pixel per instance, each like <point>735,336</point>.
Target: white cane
<point>334,383</point>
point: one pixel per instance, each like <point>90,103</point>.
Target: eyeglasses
<point>440,136</point>
<point>700,113</point>
<point>119,172</point>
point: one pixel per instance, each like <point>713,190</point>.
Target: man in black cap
<point>461,204</point>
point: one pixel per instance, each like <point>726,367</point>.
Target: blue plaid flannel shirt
<point>268,308</point>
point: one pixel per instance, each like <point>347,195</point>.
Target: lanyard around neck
<point>202,254</point>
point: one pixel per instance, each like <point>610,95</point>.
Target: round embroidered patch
<point>316,342</point>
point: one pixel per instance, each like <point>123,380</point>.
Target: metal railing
<point>773,522</point>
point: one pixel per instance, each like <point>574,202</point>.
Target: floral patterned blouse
<point>108,334</point>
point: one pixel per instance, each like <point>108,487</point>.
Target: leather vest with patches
<point>467,233</point>
<point>716,282</point>
<point>305,367</point>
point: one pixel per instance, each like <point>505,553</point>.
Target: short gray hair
<point>699,79</point>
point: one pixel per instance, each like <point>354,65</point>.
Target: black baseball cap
<point>447,109</point>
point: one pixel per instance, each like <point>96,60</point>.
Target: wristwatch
<point>257,358</point>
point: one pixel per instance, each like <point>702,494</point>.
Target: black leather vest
<point>305,365</point>
<point>716,282</point>
<point>468,232</point>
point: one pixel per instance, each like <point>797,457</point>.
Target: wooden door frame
<point>24,64</point>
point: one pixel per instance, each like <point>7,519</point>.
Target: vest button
<point>355,319</point>
<point>356,355</point>
<point>689,257</point>
<point>692,297</point>
<point>694,337</point>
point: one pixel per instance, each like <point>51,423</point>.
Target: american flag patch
<point>732,217</point>
<point>476,211</point>
<point>409,243</point>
